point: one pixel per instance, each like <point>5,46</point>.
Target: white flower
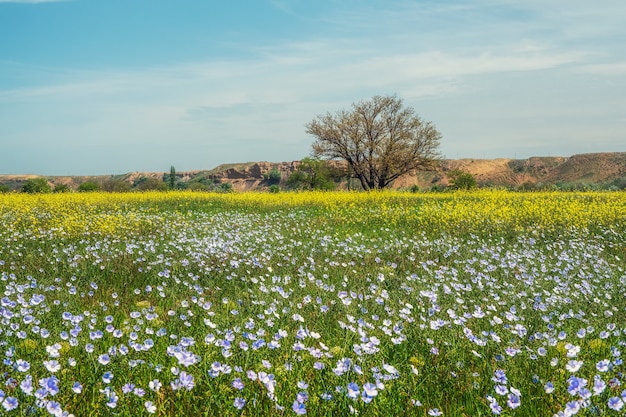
<point>52,366</point>
<point>573,365</point>
<point>150,407</point>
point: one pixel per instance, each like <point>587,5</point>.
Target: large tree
<point>380,139</point>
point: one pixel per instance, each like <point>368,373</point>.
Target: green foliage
<point>89,186</point>
<point>114,185</point>
<point>349,270</point>
<point>61,188</point>
<point>149,184</point>
<point>197,186</point>
<point>313,174</point>
<point>437,188</point>
<point>618,184</point>
<point>4,188</point>
<point>272,177</point>
<point>172,178</point>
<point>414,188</point>
<point>36,185</point>
<point>206,184</point>
<point>274,188</point>
<point>460,180</point>
<point>226,187</point>
<point>527,186</point>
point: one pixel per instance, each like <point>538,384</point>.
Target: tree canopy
<point>380,139</point>
<point>460,180</point>
<point>313,174</point>
<point>36,185</point>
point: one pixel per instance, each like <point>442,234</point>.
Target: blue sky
<point>113,86</point>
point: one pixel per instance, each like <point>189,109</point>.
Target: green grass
<point>428,315</point>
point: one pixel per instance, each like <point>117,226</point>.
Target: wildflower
<point>434,412</point>
<point>186,380</point>
<point>369,392</point>
<point>107,377</point>
<point>302,396</point>
<point>353,390</point>
<point>501,389</point>
<point>155,385</point>
<point>615,403</point>
<point>10,403</point>
<point>50,385</point>
<point>239,403</point>
<point>390,369</point>
<point>494,406</point>
<point>150,407</point>
<point>572,350</point>
<point>187,358</point>
<point>499,376</point>
<point>513,401</point>
<point>22,365</point>
<point>112,397</point>
<point>574,384</point>
<point>549,387</point>
<point>603,365</point>
<point>104,359</point>
<point>27,385</point>
<point>237,384</point>
<point>572,407</point>
<point>77,387</point>
<point>598,385</point>
<point>54,408</point>
<point>299,408</point>
<point>573,366</point>
<point>52,365</point>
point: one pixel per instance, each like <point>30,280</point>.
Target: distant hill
<point>595,169</point>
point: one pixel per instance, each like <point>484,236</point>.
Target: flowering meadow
<point>325,304</point>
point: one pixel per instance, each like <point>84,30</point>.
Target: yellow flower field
<point>71,214</point>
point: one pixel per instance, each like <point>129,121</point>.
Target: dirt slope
<point>593,168</point>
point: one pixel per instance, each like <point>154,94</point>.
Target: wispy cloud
<point>614,68</point>
<point>493,77</point>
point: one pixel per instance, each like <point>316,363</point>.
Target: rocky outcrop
<point>591,168</point>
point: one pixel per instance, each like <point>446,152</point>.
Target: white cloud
<point>490,85</point>
<point>614,68</point>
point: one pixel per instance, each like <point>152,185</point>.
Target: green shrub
<point>460,180</point>
<point>313,174</point>
<point>113,185</point>
<point>88,186</point>
<point>226,187</point>
<point>61,188</point>
<point>36,185</point>
<point>272,177</point>
<point>149,184</point>
<point>197,186</point>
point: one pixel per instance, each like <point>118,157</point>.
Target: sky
<point>99,87</point>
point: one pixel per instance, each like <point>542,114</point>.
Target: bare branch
<point>379,139</point>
